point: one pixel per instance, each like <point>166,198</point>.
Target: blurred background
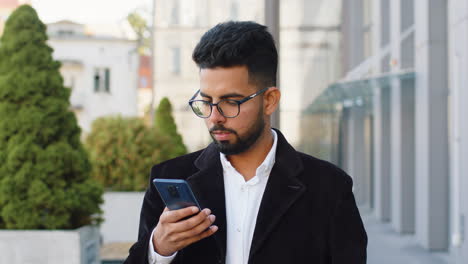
<point>374,86</point>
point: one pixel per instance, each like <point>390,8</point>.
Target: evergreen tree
<point>165,125</point>
<point>45,178</point>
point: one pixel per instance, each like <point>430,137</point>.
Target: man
<point>264,202</point>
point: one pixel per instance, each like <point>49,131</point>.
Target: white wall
<point>117,55</point>
<point>121,216</point>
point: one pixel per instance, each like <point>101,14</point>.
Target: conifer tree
<point>45,178</point>
<point>165,125</point>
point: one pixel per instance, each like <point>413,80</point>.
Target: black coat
<point>307,215</point>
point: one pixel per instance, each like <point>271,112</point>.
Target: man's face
<point>238,134</point>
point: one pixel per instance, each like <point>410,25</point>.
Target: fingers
<point>173,216</point>
<point>172,233</point>
<point>193,221</point>
<point>190,230</point>
<point>201,236</point>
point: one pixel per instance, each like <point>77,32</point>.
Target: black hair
<point>240,44</point>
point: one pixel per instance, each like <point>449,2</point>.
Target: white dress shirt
<point>243,200</point>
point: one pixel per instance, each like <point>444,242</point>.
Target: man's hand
<point>171,234</point>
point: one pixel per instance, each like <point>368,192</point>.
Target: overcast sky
<point>87,11</point>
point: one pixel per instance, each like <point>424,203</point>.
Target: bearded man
<point>263,202</point>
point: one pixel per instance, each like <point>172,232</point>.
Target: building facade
<point>399,113</point>
<point>310,60</point>
<point>101,71</point>
<point>309,43</point>
<point>144,86</point>
<point>179,26</point>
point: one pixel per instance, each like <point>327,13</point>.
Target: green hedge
<point>45,178</point>
<point>122,152</point>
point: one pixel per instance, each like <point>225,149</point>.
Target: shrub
<point>122,152</point>
<point>45,178</point>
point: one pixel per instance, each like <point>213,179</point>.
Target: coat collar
<point>282,190</point>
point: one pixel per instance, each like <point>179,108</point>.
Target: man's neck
<point>247,162</point>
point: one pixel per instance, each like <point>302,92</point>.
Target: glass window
<point>175,13</point>
<point>385,22</point>
<point>175,53</point>
<point>143,82</point>
<point>234,10</point>
<point>367,28</point>
<point>407,14</point>
<point>102,80</point>
<point>63,32</point>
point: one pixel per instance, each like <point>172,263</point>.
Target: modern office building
<point>397,119</point>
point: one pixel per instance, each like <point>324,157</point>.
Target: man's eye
<point>230,103</point>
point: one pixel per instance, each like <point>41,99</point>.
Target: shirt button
<point>238,230</point>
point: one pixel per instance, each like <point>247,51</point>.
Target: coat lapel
<point>282,190</point>
<point>208,186</point>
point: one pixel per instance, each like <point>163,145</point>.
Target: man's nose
<point>216,116</point>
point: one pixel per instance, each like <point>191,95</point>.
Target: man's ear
<point>271,100</point>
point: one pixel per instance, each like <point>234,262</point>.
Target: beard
<point>243,142</point>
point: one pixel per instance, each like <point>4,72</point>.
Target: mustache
<point>222,128</point>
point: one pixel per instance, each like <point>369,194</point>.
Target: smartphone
<point>176,193</point>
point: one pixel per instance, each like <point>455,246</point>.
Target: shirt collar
<point>265,168</point>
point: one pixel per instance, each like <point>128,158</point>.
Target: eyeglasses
<point>227,107</point>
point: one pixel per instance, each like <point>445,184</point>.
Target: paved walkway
<point>388,247</point>
<point>113,253</point>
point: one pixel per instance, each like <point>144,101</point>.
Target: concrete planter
<point>79,246</point>
<point>121,216</point>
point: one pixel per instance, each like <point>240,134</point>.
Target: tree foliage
<point>164,124</point>
<point>142,31</point>
<point>45,178</point>
<point>123,150</point>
